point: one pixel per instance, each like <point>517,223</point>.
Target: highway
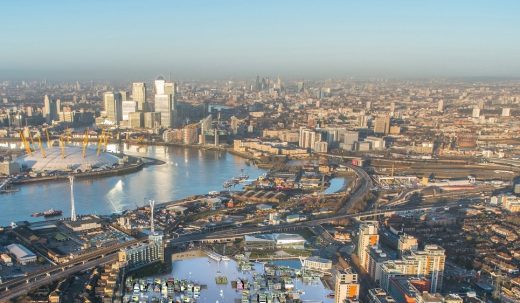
<point>72,265</point>
<point>57,274</point>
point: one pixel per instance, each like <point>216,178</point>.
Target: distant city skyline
<point>132,40</point>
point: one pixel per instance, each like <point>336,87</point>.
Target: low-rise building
<point>21,253</point>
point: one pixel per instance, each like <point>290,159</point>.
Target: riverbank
<point>138,164</point>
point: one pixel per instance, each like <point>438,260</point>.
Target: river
<point>187,171</point>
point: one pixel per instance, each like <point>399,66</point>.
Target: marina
<point>196,280</point>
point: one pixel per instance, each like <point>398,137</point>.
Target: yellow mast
<point>62,146</point>
<point>85,143</point>
<point>48,137</point>
<point>41,146</point>
<point>100,142</point>
<point>25,143</point>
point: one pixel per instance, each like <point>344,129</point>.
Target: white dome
<point>73,159</point>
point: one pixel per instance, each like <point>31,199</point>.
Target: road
<point>85,258</point>
<point>24,288</point>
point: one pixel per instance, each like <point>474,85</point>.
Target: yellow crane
<point>100,142</point>
<point>85,143</point>
<point>48,137</point>
<point>41,146</point>
<point>106,141</point>
<point>25,143</point>
<point>31,138</point>
<point>62,147</point>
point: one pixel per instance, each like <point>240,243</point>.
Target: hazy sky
<point>234,39</point>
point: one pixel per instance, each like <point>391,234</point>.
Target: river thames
<point>186,172</point>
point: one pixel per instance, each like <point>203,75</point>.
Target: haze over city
<point>225,151</point>
<point>125,40</point>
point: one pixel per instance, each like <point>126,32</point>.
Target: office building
<point>152,119</point>
<point>50,109</point>
<point>165,100</point>
<point>136,120</point>
<point>382,125</point>
<point>113,107</point>
<point>139,95</point>
<point>346,286</point>
<point>128,106</point>
<point>367,238</point>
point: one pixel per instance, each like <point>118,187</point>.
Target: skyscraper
<point>139,95</point>
<point>50,109</point>
<point>113,106</point>
<point>165,100</point>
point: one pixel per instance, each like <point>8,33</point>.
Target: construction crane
<point>100,142</point>
<point>85,143</point>
<point>25,143</point>
<point>41,146</point>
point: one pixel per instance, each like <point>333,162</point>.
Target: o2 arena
<point>68,158</point>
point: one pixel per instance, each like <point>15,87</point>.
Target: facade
<point>406,244</point>
<point>113,107</point>
<point>139,95</point>
<point>308,138</point>
<point>152,120</point>
<point>135,120</point>
<point>143,254</point>
<point>274,241</point>
<point>317,263</point>
<point>346,287</point>
<point>382,125</point>
<point>128,107</point>
<point>368,237</point>
<point>51,109</point>
<point>432,261</point>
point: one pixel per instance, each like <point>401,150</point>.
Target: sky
<point>235,39</point>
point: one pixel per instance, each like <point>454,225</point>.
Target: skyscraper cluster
<point>137,111</point>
